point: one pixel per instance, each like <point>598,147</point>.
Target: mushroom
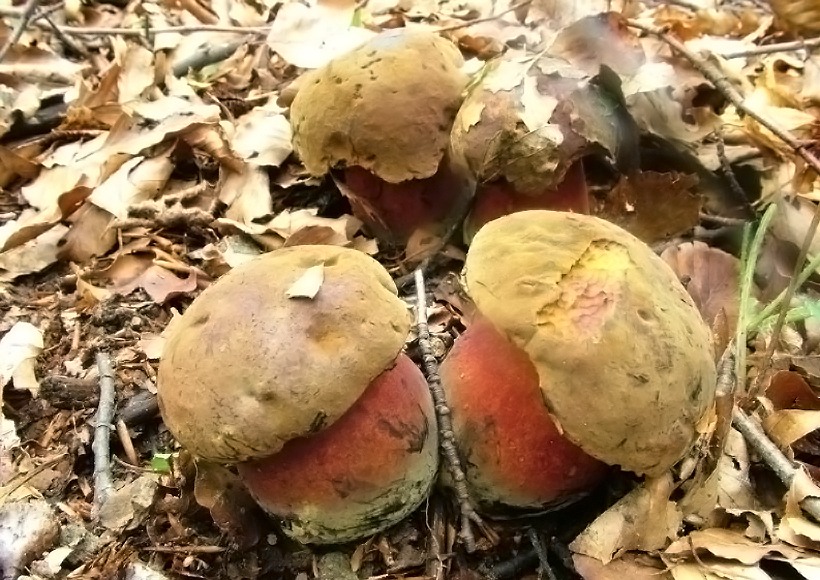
<point>524,129</point>
<point>331,426</point>
<point>585,350</point>
<point>379,118</point>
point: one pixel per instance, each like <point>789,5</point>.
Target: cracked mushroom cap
<point>247,368</point>
<point>386,106</point>
<point>529,119</point>
<point>624,358</point>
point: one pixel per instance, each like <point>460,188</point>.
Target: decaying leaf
<point>645,519</point>
<point>308,284</point>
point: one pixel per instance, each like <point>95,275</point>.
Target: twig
<point>447,436</point>
<point>25,18</point>
<point>103,481</point>
<point>771,455</point>
<point>469,23</point>
<point>89,31</point>
<point>544,568</point>
<point>435,550</point>
<point>726,167</point>
<point>512,568</point>
<point>772,48</point>
<point>734,96</point>
<point>62,36</point>
<point>721,220</point>
<point>185,549</point>
<point>209,55</point>
<point>127,444</point>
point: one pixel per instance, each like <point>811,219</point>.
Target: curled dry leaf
<point>308,284</point>
<point>645,519</point>
<point>712,278</point>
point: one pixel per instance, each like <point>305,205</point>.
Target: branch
<point>25,18</point>
<point>103,481</point>
<point>771,455</point>
<point>86,31</point>
<point>772,48</point>
<point>447,436</point>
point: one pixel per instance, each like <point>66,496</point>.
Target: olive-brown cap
<point>386,106</point>
<point>624,359</point>
<point>247,368</point>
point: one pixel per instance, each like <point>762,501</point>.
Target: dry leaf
<point>308,284</point>
<point>644,519</point>
<point>653,206</point>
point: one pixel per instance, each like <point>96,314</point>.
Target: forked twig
<point>446,434</point>
<point>103,480</point>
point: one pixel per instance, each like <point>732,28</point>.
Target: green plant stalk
<point>774,305</point>
<point>748,261</point>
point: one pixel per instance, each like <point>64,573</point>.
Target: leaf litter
<point>139,167</point>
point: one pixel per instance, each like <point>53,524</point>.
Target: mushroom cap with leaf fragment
<point>255,362</point>
<point>386,106</point>
<point>624,359</point>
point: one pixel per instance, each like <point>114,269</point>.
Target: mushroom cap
<point>247,368</point>
<point>530,118</point>
<point>386,106</point>
<point>623,357</point>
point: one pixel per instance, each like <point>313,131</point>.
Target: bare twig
<point>545,570</point>
<point>209,55</point>
<point>103,480</point>
<point>469,23</point>
<point>185,549</point>
<point>90,31</point>
<point>772,48</point>
<point>734,96</point>
<point>771,455</point>
<point>438,530</point>
<point>127,444</point>
<point>25,18</point>
<point>726,167</point>
<point>446,434</point>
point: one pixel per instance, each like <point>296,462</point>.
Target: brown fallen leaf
<point>712,278</point>
<point>160,284</point>
<point>634,566</point>
<point>652,206</point>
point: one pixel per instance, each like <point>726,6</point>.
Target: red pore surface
<point>393,211</point>
<point>376,461</point>
<point>499,198</point>
<point>514,454</point>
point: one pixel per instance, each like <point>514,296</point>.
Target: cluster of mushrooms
<point>585,353</point>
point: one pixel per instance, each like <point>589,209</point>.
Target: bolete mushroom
<point>331,426</point>
<point>379,117</point>
<point>525,128</point>
<point>586,350</point>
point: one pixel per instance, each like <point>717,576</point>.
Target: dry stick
<point>83,31</point>
<point>771,455</point>
<point>512,8</point>
<point>723,85</point>
<point>25,18</point>
<point>544,568</point>
<point>103,481</point>
<point>772,48</point>
<point>448,448</point>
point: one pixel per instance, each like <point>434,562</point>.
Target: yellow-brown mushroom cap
<point>386,106</point>
<point>247,368</point>
<point>624,359</point>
